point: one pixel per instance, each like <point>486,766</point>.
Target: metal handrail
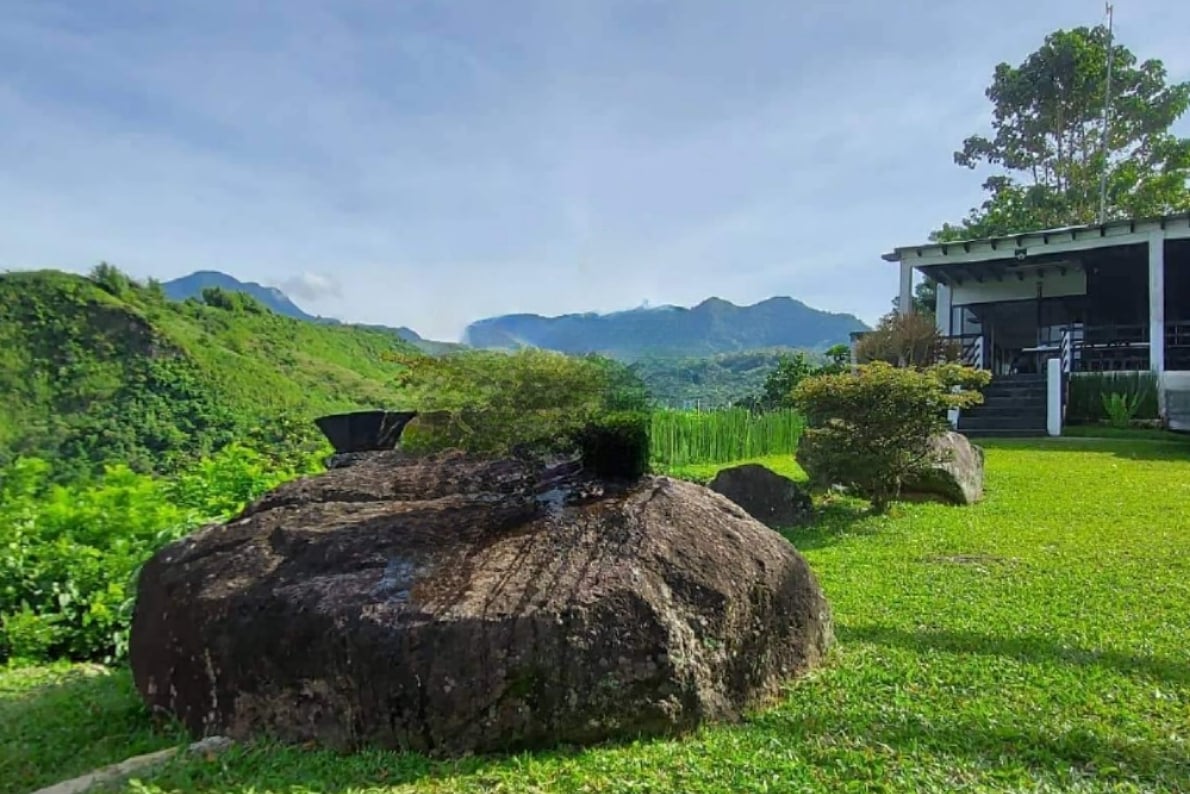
<point>976,356</point>
<point>971,348</point>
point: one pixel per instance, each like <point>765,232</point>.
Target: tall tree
<point>779,385</point>
<point>925,298</point>
<point>1048,136</point>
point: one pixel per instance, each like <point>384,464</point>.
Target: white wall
<point>1176,379</point>
<point>1053,397</point>
<point>1157,302</point>
<point>1175,399</point>
<point>942,311</point>
<point>1054,285</point>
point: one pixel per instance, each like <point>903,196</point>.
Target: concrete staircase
<point>1013,406</point>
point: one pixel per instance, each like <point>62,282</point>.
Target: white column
<point>1053,397</point>
<point>906,297</point>
<point>942,312</point>
<point>1157,301</point>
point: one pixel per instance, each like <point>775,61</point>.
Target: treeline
<point>746,379</point>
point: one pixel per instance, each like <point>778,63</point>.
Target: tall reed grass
<point>682,438</point>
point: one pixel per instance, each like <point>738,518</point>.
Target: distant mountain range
<point>712,327</point>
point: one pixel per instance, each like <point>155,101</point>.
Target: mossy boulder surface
<point>451,604</point>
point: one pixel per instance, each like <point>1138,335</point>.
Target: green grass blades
<point>61,721</point>
<point>684,438</point>
<point>1034,642</point>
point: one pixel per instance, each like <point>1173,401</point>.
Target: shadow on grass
<point>59,723</point>
<point>1027,648</point>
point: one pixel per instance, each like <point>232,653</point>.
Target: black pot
<point>364,431</point>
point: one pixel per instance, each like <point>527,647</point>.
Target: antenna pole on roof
<point>1106,121</point>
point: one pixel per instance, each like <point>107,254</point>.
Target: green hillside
<point>96,369</point>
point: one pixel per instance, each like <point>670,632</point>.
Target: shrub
<point>112,280</point>
<point>1120,408</point>
<point>497,403</point>
<point>616,444</point>
<point>905,340</point>
<point>871,429</point>
<point>791,370</point>
<point>1089,393</point>
<point>230,300</point>
<point>69,555</point>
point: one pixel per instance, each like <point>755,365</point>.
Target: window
<point>964,320</point>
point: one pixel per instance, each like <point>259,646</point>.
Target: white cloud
<point>312,287</point>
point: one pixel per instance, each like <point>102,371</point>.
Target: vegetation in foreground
<point>69,555</point>
<point>871,429</point>
<point>689,438</point>
<point>1035,641</point>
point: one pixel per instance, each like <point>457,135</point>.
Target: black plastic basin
<point>364,431</point>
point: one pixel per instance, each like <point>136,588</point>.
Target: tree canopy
<point>1047,139</point>
<point>496,402</point>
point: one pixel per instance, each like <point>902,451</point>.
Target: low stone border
<point>138,763</point>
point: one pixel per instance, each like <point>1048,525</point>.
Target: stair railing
<point>973,352</point>
<point>1066,351</point>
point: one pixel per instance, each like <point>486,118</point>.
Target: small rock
<point>776,500</point>
<point>956,475</point>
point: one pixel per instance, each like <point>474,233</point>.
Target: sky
<point>428,164</point>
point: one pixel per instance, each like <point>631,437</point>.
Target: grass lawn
<point>1035,642</point>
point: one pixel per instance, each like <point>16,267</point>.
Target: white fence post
<point>1053,397</point>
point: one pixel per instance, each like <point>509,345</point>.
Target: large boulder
<point>450,604</point>
<point>955,474</point>
<point>772,498</point>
